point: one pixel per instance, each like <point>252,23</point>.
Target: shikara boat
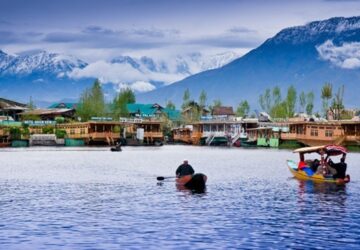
<point>304,170</point>
<point>117,148</point>
<point>193,182</point>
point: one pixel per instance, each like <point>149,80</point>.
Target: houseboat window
<point>72,131</point>
<point>300,130</point>
<point>314,132</point>
<point>82,131</point>
<point>321,127</point>
<point>206,128</point>
<point>328,133</point>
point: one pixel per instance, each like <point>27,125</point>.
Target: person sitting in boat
<point>302,162</point>
<point>184,169</point>
<point>315,165</point>
<point>339,169</point>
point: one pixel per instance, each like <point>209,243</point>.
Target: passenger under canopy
<point>324,170</point>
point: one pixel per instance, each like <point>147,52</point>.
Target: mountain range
<point>303,56</point>
<point>49,77</point>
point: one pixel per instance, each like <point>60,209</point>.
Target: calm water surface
<point>91,198</point>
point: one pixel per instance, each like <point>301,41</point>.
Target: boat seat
<point>308,171</point>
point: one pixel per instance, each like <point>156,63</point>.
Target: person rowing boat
<point>186,177</point>
<point>184,169</point>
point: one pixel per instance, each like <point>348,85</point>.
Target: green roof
<point>150,110</point>
<point>64,105</point>
<point>173,115</point>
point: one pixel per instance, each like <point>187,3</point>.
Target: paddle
<point>161,178</point>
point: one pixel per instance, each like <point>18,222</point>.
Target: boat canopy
<point>327,149</point>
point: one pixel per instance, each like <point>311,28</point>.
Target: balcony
<point>153,134</point>
<point>103,135</point>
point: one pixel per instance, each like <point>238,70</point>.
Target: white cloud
<point>346,56</point>
<point>351,63</point>
<point>142,86</point>
<point>124,75</point>
<point>109,72</point>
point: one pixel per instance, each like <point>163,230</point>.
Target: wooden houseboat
<point>306,133</point>
<point>322,133</point>
<point>142,132</point>
<point>267,135</point>
<point>92,133</point>
<point>182,135</point>
<point>220,132</point>
<point>4,137</point>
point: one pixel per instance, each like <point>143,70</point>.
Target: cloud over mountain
<point>346,55</point>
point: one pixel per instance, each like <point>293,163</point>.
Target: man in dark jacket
<point>184,169</point>
<point>340,168</point>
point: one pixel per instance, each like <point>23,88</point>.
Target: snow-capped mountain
<point>304,56</point>
<point>187,64</point>
<point>316,31</point>
<point>44,75</point>
<point>40,63</point>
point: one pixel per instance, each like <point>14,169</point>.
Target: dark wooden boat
<point>193,182</point>
<point>116,149</point>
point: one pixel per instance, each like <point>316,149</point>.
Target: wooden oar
<point>161,178</point>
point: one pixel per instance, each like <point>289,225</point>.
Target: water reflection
<point>184,189</point>
<point>324,188</point>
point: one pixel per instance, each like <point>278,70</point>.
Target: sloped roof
<point>172,114</point>
<point>204,110</point>
<point>11,105</point>
<point>142,109</point>
<point>46,111</point>
<point>66,105</point>
<point>150,110</point>
<point>223,111</point>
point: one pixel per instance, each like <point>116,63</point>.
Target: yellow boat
<point>306,173</point>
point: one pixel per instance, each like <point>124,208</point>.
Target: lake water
<point>91,198</point>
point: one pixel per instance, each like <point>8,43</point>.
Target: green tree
<point>217,103</point>
<point>186,99</point>
<point>92,102</point>
<point>170,105</point>
<point>337,103</point>
<point>302,100</point>
<point>120,102</point>
<point>326,95</point>
<point>265,100</point>
<point>309,103</point>
<point>202,99</point>
<point>276,95</point>
<point>31,105</point>
<point>290,101</point>
<point>243,109</point>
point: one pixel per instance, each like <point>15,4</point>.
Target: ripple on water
<point>94,199</point>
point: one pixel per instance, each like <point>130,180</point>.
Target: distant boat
<point>117,148</point>
<point>249,143</point>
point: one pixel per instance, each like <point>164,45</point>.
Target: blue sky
<point>100,30</point>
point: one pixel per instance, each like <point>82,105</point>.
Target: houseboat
<point>91,133</point>
<point>182,135</point>
<point>342,132</point>
<point>142,132</point>
<point>220,132</point>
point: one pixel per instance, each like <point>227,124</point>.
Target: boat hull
<point>302,175</point>
<point>194,182</point>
